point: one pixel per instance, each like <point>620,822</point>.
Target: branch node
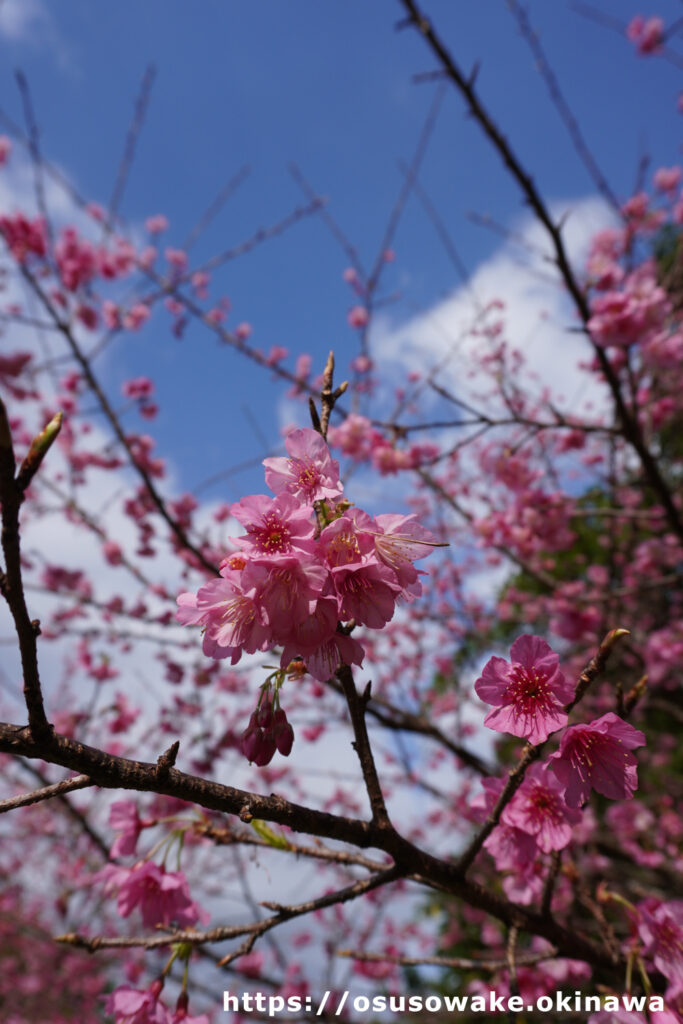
<point>166,760</point>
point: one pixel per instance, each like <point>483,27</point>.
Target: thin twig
<point>228,190</point>
<point>630,426</point>
<point>132,137</point>
<point>58,789</point>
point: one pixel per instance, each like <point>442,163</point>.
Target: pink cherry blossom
<point>598,756</point>
<point>163,897</point>
<point>647,35</point>
<point>661,932</point>
<point>156,224</point>
<point>538,808</point>
<point>667,179</point>
<point>275,525</point>
<point>232,618</point>
<point>284,587</point>
<point>528,693</point>
<point>358,316</point>
<point>512,848</point>
<point>309,473</point>
<point>133,1006</point>
<point>366,594</point>
<point>124,818</point>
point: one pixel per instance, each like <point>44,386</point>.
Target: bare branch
<point>58,789</point>
<point>134,130</point>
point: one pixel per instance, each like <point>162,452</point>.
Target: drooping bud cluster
<point>268,731</point>
<point>308,562</point>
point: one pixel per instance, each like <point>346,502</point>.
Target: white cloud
<point>29,23</point>
<point>537,315</point>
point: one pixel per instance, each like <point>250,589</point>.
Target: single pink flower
<point>316,641</point>
<point>156,224</point>
<point>162,896</point>
<point>232,617</point>
<point>133,1006</point>
<point>310,473</point>
<point>358,316</point>
<point>667,179</point>
<point>661,931</point>
<point>538,808</point>
<point>528,693</point>
<point>284,587</point>
<point>511,848</point>
<point>347,540</point>
<point>366,593</point>
<point>275,525</point>
<point>598,756</point>
<point>124,818</point>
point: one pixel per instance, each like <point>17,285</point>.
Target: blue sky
<point>328,86</point>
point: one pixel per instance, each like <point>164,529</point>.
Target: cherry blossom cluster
<point>162,899</point>
<point>309,561</point>
<point>359,440</point>
<point>530,695</point>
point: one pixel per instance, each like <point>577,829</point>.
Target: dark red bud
<point>284,739</point>
<point>250,743</point>
<point>265,715</point>
<point>264,755</point>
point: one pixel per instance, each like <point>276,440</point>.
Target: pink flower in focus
<point>528,694</point>
<point>402,540</point>
<point>232,618</point>
<point>538,808</point>
<point>316,640</point>
<point>274,525</point>
<point>598,756</point>
<point>347,540</point>
<point>366,593</point>
<point>284,587</point>
<point>310,473</point>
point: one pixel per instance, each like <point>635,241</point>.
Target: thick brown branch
<point>12,585</point>
<point>112,772</point>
